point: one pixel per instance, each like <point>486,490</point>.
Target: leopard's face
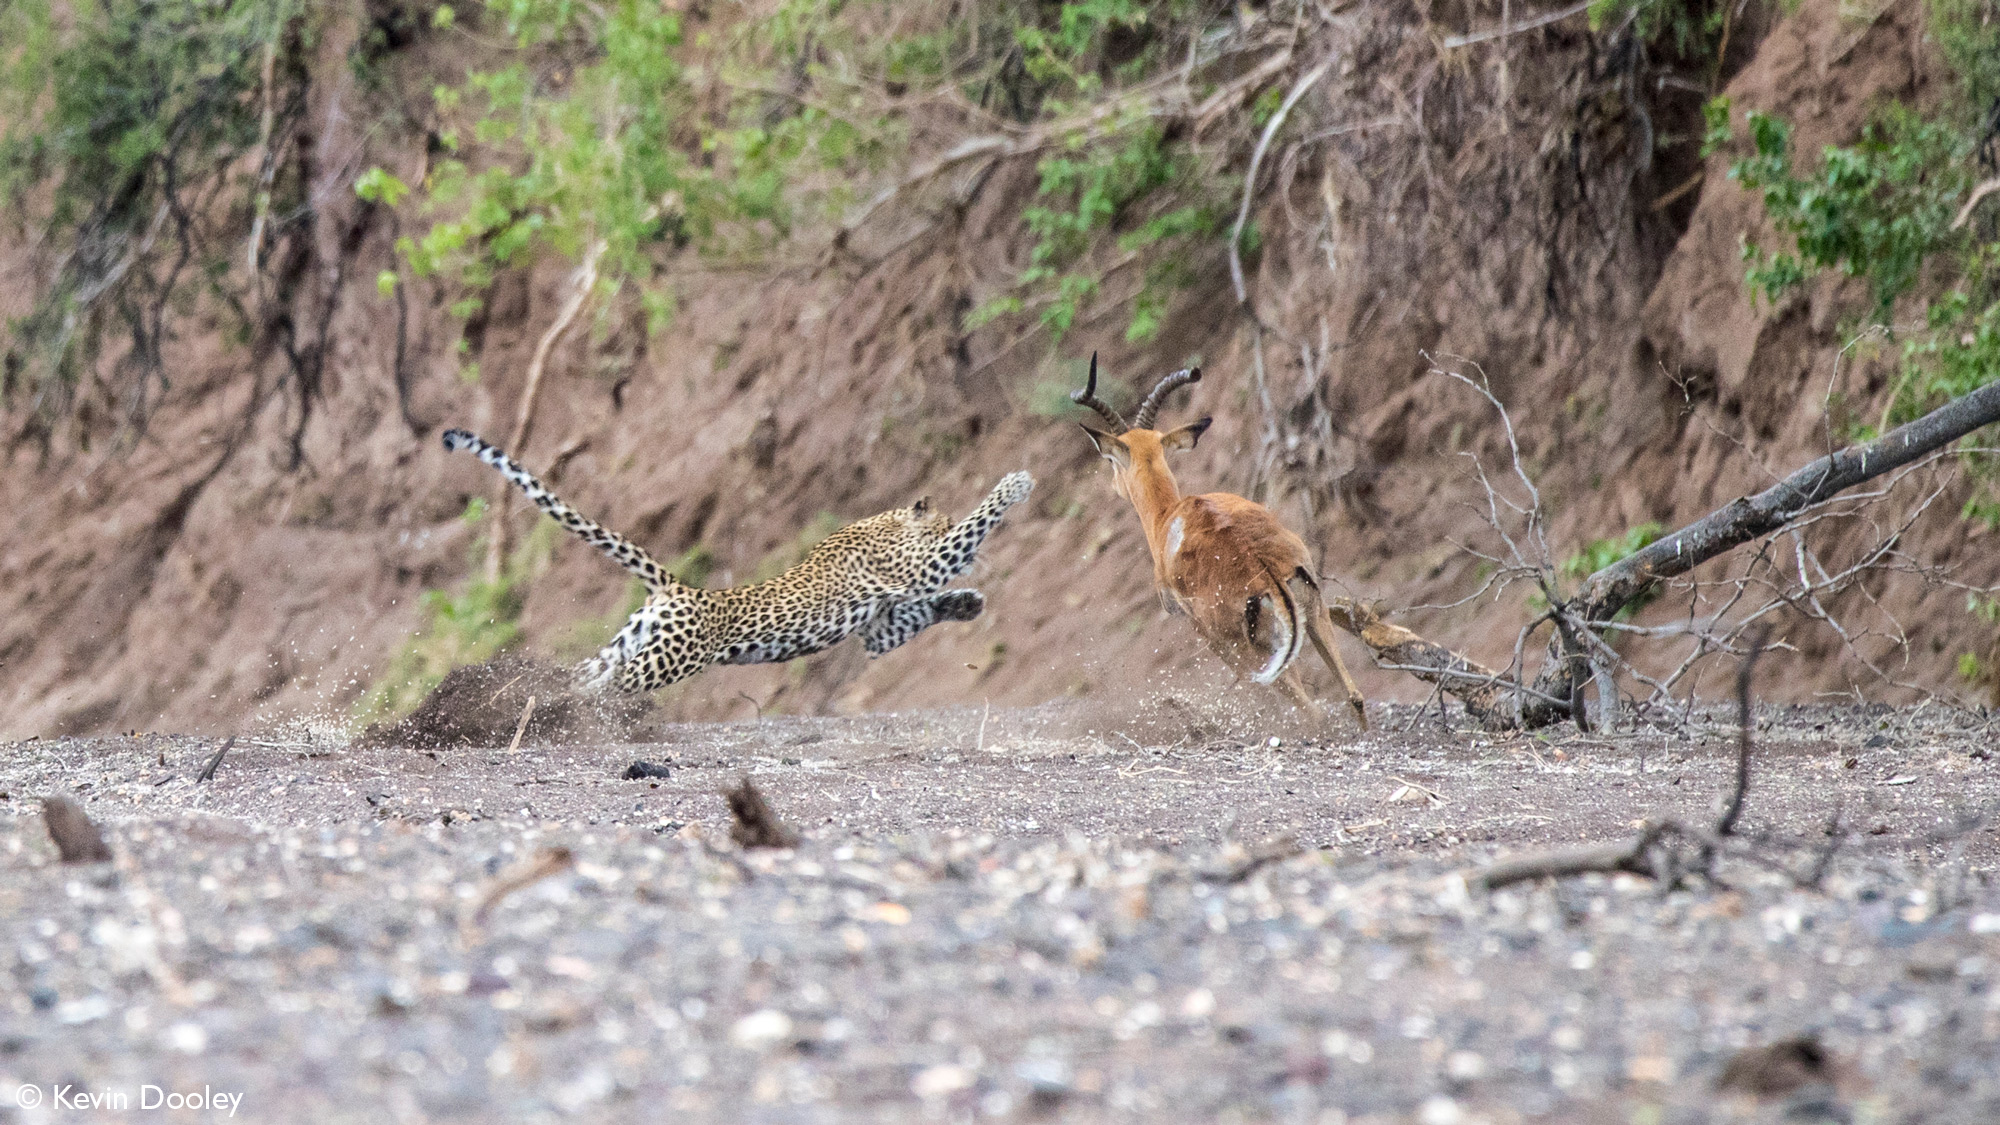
<point>922,527</point>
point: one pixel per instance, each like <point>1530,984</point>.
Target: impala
<point>1224,561</point>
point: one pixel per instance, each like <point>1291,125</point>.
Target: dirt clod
<point>641,769</point>
<point>485,705</point>
<point>1777,1069</point>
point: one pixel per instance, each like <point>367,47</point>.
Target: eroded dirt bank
<point>1013,916</point>
<point>200,581</point>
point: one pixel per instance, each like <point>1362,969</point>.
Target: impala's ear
<point>1109,447</point>
<point>1186,436</point>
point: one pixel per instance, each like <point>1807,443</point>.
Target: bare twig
<point>208,771</point>
<point>1299,89</point>
<point>547,862</point>
<point>521,728</point>
<point>1981,192</point>
<point>582,283</point>
<point>267,167</point>
<point>1745,721</point>
<point>1454,42</point>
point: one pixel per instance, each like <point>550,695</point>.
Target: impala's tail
<point>1276,605</point>
<point>623,551</point>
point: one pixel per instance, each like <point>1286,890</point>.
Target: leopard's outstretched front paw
<point>1014,487</point>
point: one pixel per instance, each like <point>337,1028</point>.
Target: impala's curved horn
<point>1088,397</point>
<point>1143,420</point>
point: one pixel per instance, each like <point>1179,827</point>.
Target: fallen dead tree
<point>1578,652</point>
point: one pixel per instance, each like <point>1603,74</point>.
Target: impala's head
<point>1137,446</point>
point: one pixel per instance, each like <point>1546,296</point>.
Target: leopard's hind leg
<point>645,654</point>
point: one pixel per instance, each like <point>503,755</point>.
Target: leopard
<point>883,577</point>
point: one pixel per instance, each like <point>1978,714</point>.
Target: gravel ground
<point>1028,915</point>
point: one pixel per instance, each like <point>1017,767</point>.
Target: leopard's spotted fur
<point>882,576</point>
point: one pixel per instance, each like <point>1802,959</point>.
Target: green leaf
<point>377,185</point>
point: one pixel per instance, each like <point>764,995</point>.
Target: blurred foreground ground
<point>1005,915</point>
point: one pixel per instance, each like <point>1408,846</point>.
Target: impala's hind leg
<point>1319,627</point>
<point>1293,684</point>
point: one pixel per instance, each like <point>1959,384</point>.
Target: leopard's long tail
<point>623,551</point>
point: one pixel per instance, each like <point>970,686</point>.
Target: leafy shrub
<point>1895,208</point>
<point>1878,209</point>
<point>1600,553</point>
<point>115,119</point>
<point>1688,28</point>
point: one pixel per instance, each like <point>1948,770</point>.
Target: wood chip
<point>521,728</point>
<point>77,840</point>
<point>756,826</point>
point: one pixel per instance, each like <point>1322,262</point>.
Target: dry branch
<point>1653,852</point>
<point>1486,695</point>
<point>1611,589</point>
<point>1623,855</point>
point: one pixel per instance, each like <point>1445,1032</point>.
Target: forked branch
<point>1490,697</point>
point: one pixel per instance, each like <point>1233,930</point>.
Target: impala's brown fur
<point>1226,562</point>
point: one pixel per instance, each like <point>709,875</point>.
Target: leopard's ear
<point>922,505</point>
